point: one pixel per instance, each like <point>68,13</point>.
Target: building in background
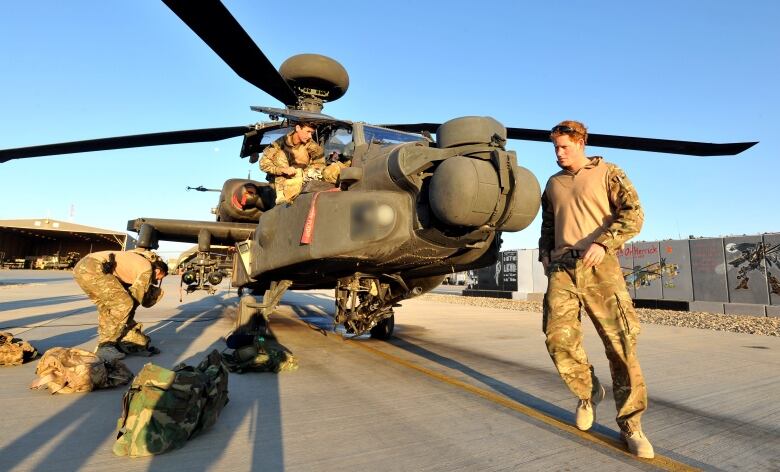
<point>46,243</point>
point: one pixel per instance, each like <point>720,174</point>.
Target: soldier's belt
<point>571,254</point>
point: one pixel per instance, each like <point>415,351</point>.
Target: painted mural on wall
<point>649,271</point>
<point>737,269</point>
<point>772,260</point>
<point>749,257</point>
<point>643,276</point>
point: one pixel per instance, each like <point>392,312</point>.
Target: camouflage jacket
<point>307,159</point>
<point>596,204</point>
<point>282,153</point>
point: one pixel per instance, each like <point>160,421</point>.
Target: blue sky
<point>664,69</point>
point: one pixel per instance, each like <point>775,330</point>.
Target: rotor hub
<point>315,79</point>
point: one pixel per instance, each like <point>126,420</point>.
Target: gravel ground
<point>766,326</point>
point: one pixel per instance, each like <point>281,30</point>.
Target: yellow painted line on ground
<point>661,462</point>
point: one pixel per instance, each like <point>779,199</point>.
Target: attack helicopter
<point>419,200</point>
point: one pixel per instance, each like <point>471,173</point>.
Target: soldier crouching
<point>118,282</point>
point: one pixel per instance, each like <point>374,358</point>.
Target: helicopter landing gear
<point>384,329</point>
<point>363,304</point>
<point>252,317</point>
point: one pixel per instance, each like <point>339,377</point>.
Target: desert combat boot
<point>586,409</point>
<point>109,352</point>
<point>638,444</point>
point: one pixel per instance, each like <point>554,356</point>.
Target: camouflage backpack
<point>255,353</point>
<point>14,351</point>
<point>70,370</point>
<point>164,408</point>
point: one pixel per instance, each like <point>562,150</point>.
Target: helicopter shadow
<point>254,409</point>
<point>29,322</point>
<point>26,281</point>
<point>39,302</point>
<point>79,429</point>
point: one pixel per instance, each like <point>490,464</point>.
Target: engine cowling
<point>484,187</point>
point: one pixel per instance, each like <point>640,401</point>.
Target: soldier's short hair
<point>159,264</point>
<point>310,124</point>
<point>574,129</point>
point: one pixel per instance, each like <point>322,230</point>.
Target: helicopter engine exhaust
<point>243,200</point>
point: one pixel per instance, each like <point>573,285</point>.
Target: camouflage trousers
<point>601,290</point>
<point>115,305</point>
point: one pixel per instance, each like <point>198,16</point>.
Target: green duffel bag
<point>164,408</point>
<point>260,354</point>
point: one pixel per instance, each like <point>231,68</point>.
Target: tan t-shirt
<point>132,269</point>
<point>595,204</point>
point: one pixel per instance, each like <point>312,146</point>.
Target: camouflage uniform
<point>331,173</point>
<point>307,159</point>
<point>117,299</point>
<point>601,290</point>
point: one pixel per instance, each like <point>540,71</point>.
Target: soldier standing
<point>117,282</point>
<point>589,209</point>
<point>293,160</point>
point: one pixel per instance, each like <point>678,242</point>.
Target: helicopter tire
<point>384,329</point>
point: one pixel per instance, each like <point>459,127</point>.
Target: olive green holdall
<point>164,408</point>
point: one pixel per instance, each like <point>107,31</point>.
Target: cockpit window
<point>338,140</point>
<point>378,135</point>
<point>273,135</point>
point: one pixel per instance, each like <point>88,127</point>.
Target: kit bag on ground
<point>136,342</point>
<point>256,353</point>
<point>14,351</point>
<point>72,370</point>
<point>164,408</point>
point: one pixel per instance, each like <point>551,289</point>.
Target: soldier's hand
<point>593,256</point>
<point>289,171</point>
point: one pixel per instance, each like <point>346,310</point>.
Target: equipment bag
<point>255,353</point>
<point>164,408</point>
<point>136,342</point>
<point>70,370</point>
<point>14,351</point>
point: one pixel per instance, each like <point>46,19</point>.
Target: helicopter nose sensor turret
<point>315,79</point>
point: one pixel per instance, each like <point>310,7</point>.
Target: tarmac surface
<point>457,388</point>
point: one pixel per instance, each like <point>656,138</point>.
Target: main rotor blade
<point>122,142</point>
<point>668,146</point>
<point>210,20</point>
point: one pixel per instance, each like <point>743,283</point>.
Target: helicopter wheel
<point>384,329</point>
